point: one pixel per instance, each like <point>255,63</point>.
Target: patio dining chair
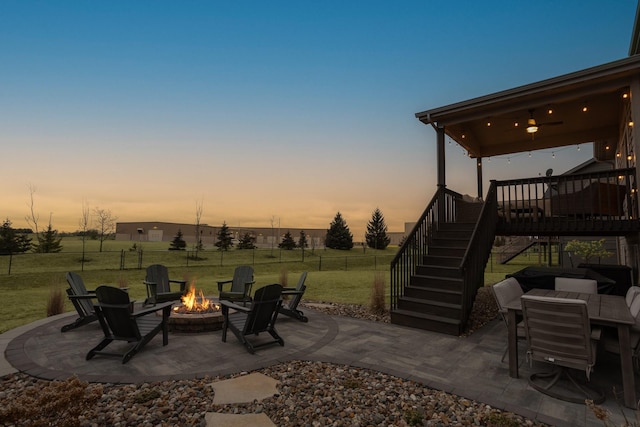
<point>570,284</point>
<point>81,298</point>
<point>610,341</point>
<point>504,292</point>
<point>559,333</point>
<point>632,292</point>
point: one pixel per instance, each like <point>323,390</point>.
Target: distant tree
<point>178,243</point>
<point>12,242</point>
<point>84,226</point>
<point>48,241</point>
<point>106,224</point>
<point>247,242</point>
<point>225,240</point>
<point>338,234</point>
<point>302,241</point>
<point>287,242</point>
<point>199,246</point>
<point>376,235</point>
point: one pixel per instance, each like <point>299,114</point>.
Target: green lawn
<point>334,276</point>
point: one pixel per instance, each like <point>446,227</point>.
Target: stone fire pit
<point>195,314</point>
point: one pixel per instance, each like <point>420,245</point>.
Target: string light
<point>578,147</point>
<point>553,154</point>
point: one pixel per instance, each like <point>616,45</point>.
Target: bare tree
<point>33,218</point>
<point>105,222</point>
<point>84,227</point>
<point>198,231</point>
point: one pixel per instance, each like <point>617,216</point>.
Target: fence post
<point>140,259</point>
<point>320,263</point>
<point>121,259</point>
<point>345,264</point>
<point>10,260</point>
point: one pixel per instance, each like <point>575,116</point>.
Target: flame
<point>196,303</point>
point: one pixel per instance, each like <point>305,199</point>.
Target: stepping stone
<point>244,389</point>
<point>240,420</point>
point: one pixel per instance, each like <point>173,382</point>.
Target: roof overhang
<point>496,124</point>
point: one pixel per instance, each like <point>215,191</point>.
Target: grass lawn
<point>333,276</point>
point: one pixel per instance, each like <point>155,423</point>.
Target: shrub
<point>55,303</point>
<point>377,294</point>
<point>55,403</point>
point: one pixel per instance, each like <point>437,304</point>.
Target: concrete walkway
<point>469,367</point>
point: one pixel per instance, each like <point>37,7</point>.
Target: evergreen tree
<point>338,234</point>
<point>178,243</point>
<point>12,242</point>
<point>376,235</point>
<point>247,242</point>
<point>302,241</point>
<point>287,242</point>
<point>225,240</point>
<point>49,242</point>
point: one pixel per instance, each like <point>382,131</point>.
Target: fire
<point>192,303</point>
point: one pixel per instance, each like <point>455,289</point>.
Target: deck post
<point>441,212</point>
<point>479,163</point>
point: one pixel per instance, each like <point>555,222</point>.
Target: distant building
<point>265,236</point>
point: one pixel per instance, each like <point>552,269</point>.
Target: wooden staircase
<point>433,300</point>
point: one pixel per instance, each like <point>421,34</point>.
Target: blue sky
<point>292,110</point>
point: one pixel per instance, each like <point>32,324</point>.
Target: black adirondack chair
<point>120,323</point>
<point>241,284</point>
<point>159,285</point>
<point>290,307</point>
<point>81,298</point>
<point>249,321</point>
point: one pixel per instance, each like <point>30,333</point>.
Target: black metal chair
<point>290,307</point>
<point>120,323</point>
<point>259,317</point>
<point>159,285</point>
<point>81,298</point>
<point>559,333</point>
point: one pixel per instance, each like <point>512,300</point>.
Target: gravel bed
<point>310,394</point>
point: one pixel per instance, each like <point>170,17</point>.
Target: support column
<point>441,157</point>
<point>441,174</point>
<point>479,164</point>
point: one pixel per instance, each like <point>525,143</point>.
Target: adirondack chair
<point>159,285</point>
<point>81,298</point>
<point>250,321</point>
<point>119,322</point>
<point>240,285</point>
<point>290,307</point>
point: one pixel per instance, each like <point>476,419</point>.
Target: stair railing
<point>478,251</point>
<point>441,208</point>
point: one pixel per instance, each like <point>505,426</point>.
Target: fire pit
<point>195,314</point>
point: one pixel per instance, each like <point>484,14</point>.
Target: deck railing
<point>592,203</point>
<point>442,208</point>
<point>478,251</point>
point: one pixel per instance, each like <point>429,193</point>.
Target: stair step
<point>435,282</point>
<point>449,261</point>
<point>445,251</point>
<point>450,296</point>
<point>438,271</point>
<point>432,307</point>
<point>449,242</point>
<point>426,321</point>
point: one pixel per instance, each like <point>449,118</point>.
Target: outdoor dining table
<point>604,310</point>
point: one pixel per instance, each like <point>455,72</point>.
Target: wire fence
<point>316,260</point>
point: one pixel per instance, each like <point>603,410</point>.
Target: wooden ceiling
<point>582,107</point>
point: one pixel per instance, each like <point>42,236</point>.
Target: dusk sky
<point>292,110</point>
